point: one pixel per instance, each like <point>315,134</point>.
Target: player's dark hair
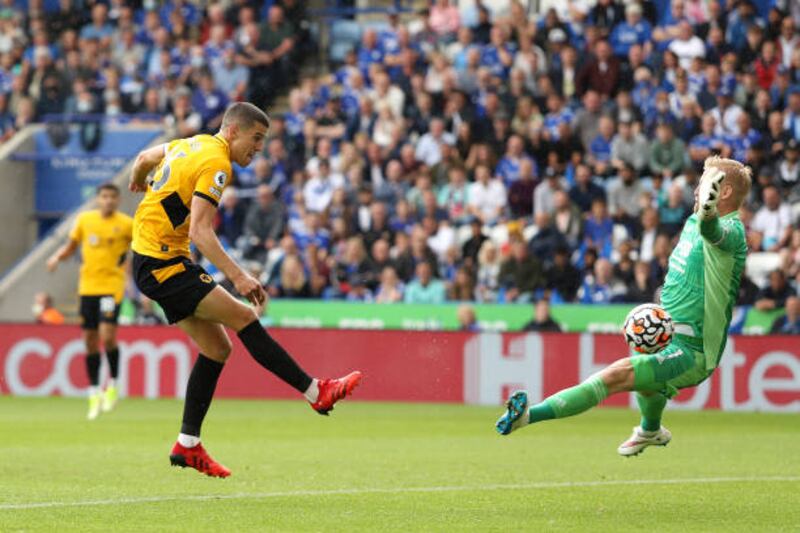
<point>108,186</point>
<point>245,115</point>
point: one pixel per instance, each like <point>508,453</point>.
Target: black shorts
<point>176,284</point>
<point>96,309</point>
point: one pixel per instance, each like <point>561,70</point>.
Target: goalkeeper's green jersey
<point>702,282</point>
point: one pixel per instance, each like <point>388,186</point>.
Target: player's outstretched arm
<point>64,252</point>
<point>145,162</point>
<point>712,229</point>
<point>202,234</point>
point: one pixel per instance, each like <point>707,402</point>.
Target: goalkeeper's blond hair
<point>738,175</point>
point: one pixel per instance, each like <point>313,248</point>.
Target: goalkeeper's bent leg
<point>570,402</point>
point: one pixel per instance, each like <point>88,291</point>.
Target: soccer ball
<point>648,328</point>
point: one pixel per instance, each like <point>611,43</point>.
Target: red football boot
<point>333,390</point>
<point>196,457</point>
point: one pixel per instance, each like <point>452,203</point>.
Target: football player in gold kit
<point>179,206</point>
<point>103,236</point>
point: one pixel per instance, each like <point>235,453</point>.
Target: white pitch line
<point>400,490</point>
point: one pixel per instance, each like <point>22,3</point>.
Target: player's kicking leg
<point>205,327</point>
<point>648,374</point>
<point>322,394</point>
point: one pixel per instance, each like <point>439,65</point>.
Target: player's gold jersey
<point>195,166</point>
<point>104,243</point>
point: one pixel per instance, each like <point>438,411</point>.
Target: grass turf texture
<point>286,462</point>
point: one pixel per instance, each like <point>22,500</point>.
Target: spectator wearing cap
<point>633,30</point>
<point>585,191</point>
<point>629,146</point>
<point>773,222</point>
<point>667,152</point>
<point>602,73</point>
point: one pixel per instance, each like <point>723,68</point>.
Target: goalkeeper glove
<point>708,194</point>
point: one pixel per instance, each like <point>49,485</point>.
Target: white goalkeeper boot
<point>642,439</point>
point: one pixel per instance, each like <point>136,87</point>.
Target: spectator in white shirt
<point>773,222</point>
<point>726,113</point>
<point>687,46</point>
<point>318,191</point>
<point>428,150</point>
<point>487,196</point>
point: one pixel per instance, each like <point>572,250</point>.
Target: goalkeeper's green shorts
<point>678,366</point>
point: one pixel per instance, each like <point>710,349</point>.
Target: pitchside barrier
<point>757,373</point>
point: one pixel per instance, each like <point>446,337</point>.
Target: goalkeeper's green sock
<point>651,408</point>
<point>570,402</point>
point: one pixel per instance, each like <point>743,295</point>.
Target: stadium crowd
<point>468,154</point>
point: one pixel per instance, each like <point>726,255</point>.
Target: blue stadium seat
<point>344,35</point>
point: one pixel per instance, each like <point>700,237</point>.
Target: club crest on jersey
<point>94,240</point>
<point>220,178</point>
<point>205,278</point>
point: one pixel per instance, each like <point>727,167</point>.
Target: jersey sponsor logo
<point>205,278</point>
<point>661,358</point>
<point>94,240</point>
<point>220,178</point>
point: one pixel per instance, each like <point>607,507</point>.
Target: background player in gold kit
<point>104,236</point>
<point>179,206</point>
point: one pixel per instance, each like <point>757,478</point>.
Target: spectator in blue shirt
<point>370,51</point>
<point>788,324</point>
<point>598,288</point>
<point>425,289</point>
<point>599,155</point>
<point>209,101</point>
<point>706,142</point>
<point>508,167</point>
<point>99,28</point>
<point>635,30</point>
<point>598,231</point>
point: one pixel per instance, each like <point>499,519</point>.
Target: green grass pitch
<point>391,467</point>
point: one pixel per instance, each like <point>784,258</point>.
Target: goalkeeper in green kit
<point>700,290</point>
